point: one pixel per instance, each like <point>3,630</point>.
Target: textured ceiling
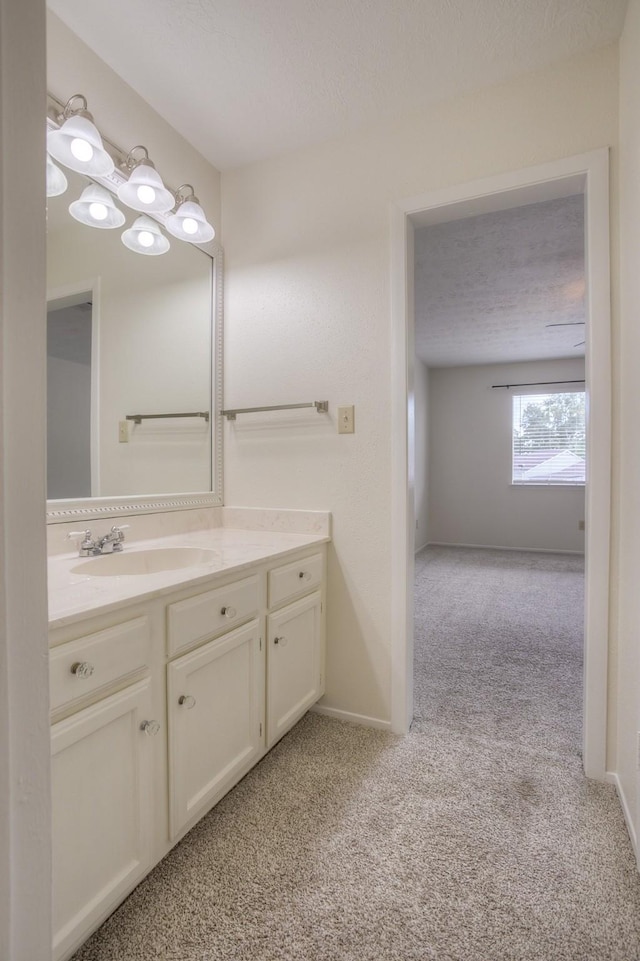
<point>486,287</point>
<point>246,79</point>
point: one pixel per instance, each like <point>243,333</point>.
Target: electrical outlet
<point>123,432</point>
<point>345,420</point>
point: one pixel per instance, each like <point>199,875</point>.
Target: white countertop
<point>75,596</point>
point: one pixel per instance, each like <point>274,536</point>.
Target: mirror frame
<point>89,508</point>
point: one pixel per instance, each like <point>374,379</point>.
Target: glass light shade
<point>78,145</point>
<point>145,191</point>
<point>95,207</point>
<point>56,180</point>
<point>189,223</point>
<point>145,237</point>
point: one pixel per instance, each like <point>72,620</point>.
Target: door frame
<point>589,174</point>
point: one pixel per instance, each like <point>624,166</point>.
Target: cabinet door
<point>216,710</point>
<point>294,664</point>
<point>101,798</point>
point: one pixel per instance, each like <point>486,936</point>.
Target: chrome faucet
<point>107,544</point>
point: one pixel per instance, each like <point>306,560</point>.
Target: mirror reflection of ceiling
<point>297,72</point>
<point>487,287</point>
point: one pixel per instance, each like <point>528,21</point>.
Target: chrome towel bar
<point>138,418</point>
<point>322,406</point>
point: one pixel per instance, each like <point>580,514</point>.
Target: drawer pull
<point>82,669</point>
<point>282,641</point>
<point>187,701</point>
<point>228,611</point>
<point>151,728</point>
<point>305,575</point>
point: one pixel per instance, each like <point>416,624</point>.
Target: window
<point>549,439</point>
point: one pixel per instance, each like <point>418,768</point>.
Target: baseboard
<point>422,547</point>
<point>497,547</point>
<point>612,778</point>
<point>352,718</point>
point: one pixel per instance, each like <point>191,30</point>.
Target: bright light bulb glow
<point>146,194</point>
<point>98,211</point>
<point>189,225</point>
<point>145,238</point>
<point>81,149</point>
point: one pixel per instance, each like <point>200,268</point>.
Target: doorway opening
<point>586,175</point>
<point>73,467</point>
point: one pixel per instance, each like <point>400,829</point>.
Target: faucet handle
<point>85,535</point>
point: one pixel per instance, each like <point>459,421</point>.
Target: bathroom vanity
<point>167,687</point>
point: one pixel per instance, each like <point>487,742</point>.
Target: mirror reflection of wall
<point>152,354</point>
<point>69,337</point>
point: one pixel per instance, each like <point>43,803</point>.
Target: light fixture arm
<point>182,198</point>
<point>69,111</point>
<point>131,161</point>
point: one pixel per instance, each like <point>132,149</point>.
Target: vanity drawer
<point>96,660</point>
<point>205,615</point>
<point>294,579</point>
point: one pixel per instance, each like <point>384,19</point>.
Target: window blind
<point>549,439</point>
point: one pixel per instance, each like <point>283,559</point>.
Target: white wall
<point>25,815</point>
<point>471,498</point>
<point>626,555</point>
<point>307,317</point>
<point>421,452</point>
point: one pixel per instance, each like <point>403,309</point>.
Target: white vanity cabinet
<point>215,699</point>
<point>295,643</point>
<point>159,709</point>
<point>102,771</point>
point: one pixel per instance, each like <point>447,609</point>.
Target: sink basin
<point>153,561</point>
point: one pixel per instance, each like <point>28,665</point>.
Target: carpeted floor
<point>475,838</point>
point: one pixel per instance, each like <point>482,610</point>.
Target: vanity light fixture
<point>145,237</point>
<point>144,189</point>
<point>95,208</point>
<point>74,140</point>
<point>188,222</point>
<point>77,143</point>
<point>56,181</point>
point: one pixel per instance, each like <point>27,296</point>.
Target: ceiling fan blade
<point>574,323</point>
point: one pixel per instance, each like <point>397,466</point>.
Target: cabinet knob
<point>151,728</point>
<point>280,640</point>
<point>82,669</point>
<point>305,575</point>
<point>187,700</point>
<point>228,611</point>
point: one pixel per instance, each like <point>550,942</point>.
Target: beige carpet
<point>469,840</point>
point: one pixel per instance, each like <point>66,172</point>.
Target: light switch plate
<point>123,432</point>
<point>346,420</point>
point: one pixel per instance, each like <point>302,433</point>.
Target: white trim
<point>589,173</point>
<point>351,718</point>
<point>612,778</point>
<point>70,510</point>
<point>498,547</point>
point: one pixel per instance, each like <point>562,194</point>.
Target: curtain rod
<point>542,383</point>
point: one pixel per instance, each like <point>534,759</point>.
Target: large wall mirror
<point>128,335</point>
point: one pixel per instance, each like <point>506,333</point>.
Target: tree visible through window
<point>549,438</point>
